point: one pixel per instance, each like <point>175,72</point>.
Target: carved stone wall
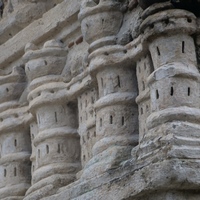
<point>99,99</point>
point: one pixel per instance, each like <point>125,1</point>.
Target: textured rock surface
<point>99,100</point>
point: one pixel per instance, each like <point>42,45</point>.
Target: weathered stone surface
<point>99,99</point>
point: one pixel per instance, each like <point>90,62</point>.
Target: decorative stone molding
<point>104,16</point>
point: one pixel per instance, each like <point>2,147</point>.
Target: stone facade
<point>99,99</point>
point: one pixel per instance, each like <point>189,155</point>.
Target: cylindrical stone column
<point>174,86</point>
<point>15,146</point>
<point>116,110</point>
<point>57,148</point>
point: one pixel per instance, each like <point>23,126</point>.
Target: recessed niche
<point>15,142</point>
<point>111,119</point>
<point>141,111</point>
<point>189,91</point>
<point>92,100</point>
<point>47,149</point>
<point>15,171</point>
<point>58,148</point>
<point>183,47</point>
<point>5,173</point>
<point>157,94</point>
<point>101,82</point>
<point>118,81</point>
<point>86,103</point>
<point>100,122</point>
<point>158,51</point>
<point>56,117</point>
<point>122,120</point>
<point>38,153</point>
<point>172,91</point>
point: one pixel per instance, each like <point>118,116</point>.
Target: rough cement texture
<point>99,99</point>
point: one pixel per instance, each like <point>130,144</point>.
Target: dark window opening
<point>118,81</point>
<point>15,171</point>
<point>122,121</point>
<point>172,91</point>
<point>56,119</point>
<point>15,142</point>
<point>38,153</point>
<point>100,122</point>
<point>188,91</point>
<point>157,94</point>
<point>141,110</point>
<point>183,47</point>
<point>47,149</point>
<point>101,82</point>
<point>58,148</point>
<point>111,119</point>
<point>158,51</point>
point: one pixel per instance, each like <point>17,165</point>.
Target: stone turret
<point>168,83</point>
<point>15,147</point>
<point>173,85</point>
<point>116,118</point>
<point>57,142</point>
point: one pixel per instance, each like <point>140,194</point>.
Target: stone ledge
<point>41,29</point>
<point>133,181</point>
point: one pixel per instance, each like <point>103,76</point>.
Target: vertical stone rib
<point>87,123</point>
<point>144,68</point>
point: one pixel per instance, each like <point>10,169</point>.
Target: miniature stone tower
<point>100,100</point>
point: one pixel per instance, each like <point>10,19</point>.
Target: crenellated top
<point>167,33</point>
<point>100,22</point>
<point>50,60</point>
<point>91,7</point>
<point>43,69</point>
<point>189,5</point>
<point>12,86</point>
<point>169,21</point>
